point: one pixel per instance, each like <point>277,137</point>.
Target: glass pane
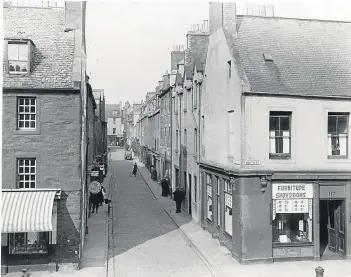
<point>21,177</point>
<point>26,124</point>
<point>32,185</point>
<point>342,124</point>
<point>21,101</point>
<point>21,124</point>
<point>278,145</point>
<point>26,109</point>
<point>26,162</point>
<point>26,101</point>
<point>20,170</point>
<point>32,102</point>
<point>21,109</point>
<point>331,124</point>
<point>20,162</point>
<point>284,123</point>
<point>32,169</point>
<point>23,52</point>
<point>21,185</point>
<point>273,123</point>
<point>32,109</point>
<point>26,117</point>
<point>21,116</point>
<point>32,124</point>
<point>12,51</point>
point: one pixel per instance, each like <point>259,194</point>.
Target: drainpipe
<point>171,169</point>
<point>180,140</point>
<point>199,141</point>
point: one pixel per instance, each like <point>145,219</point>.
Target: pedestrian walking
<point>179,196</point>
<point>94,198</point>
<point>165,186</point>
<point>100,196</point>
<point>135,169</point>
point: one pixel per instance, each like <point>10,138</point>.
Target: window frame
<point>218,201</point>
<point>228,190</point>
<point>7,60</point>
<point>279,114</point>
<point>24,113</point>
<point>337,115</point>
<point>208,182</point>
<point>24,173</point>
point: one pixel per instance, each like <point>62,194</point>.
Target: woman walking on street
<point>165,187</point>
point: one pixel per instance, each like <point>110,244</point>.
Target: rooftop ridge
<point>294,18</point>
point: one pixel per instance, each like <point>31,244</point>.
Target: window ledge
<point>341,157</point>
<point>26,132</point>
<point>227,234</point>
<point>292,244</point>
<point>279,156</point>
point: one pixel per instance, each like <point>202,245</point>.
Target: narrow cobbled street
<point>145,241</point>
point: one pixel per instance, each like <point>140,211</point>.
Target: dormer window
<point>18,57</point>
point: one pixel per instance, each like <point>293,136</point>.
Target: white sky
<point>129,42</point>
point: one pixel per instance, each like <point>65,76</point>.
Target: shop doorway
<point>332,229</point>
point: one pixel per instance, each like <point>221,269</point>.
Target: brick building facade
<point>47,124</point>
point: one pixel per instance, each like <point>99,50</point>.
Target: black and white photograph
<point>176,138</point>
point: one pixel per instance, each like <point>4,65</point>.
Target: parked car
<point>128,155</point>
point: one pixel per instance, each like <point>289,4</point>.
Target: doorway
<point>332,229</point>
<point>190,204</point>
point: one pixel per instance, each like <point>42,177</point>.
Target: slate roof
<point>310,57</point>
<point>53,52</point>
<point>197,52</point>
<point>109,108</point>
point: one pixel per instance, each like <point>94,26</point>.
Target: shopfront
<point>28,229</point>
<point>278,217</point>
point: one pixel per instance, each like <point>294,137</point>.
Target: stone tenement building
<point>48,121</point>
<point>260,133</point>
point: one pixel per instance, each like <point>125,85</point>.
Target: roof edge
<point>287,95</point>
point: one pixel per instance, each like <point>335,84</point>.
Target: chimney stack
<point>75,15</point>
<point>177,56</point>
<point>222,15</point>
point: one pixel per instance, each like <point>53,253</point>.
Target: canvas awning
<point>27,210</point>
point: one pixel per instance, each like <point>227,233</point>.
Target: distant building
<point>115,128</point>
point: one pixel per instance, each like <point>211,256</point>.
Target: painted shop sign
<point>292,191</point>
<point>330,192</point>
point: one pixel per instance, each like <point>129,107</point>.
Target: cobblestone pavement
<point>145,241</point>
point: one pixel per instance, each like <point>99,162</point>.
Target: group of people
<point>97,199</point>
<point>178,194</point>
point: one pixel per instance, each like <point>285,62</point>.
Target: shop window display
<point>29,243</point>
<point>292,228</point>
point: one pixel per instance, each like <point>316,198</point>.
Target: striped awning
<point>27,210</point>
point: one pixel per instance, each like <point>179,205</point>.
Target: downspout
<point>199,147</point>
<point>171,169</point>
<point>180,140</point>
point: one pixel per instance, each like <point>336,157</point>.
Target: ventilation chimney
<point>176,57</point>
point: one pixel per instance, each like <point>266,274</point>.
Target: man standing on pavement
<point>179,196</point>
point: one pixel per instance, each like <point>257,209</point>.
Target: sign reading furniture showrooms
<point>292,191</point>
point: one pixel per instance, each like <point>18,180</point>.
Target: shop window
<point>228,208</point>
<point>292,228</point>
<point>337,135</point>
<point>28,243</point>
<point>279,135</point>
<point>292,213</point>
<point>218,196</point>
<point>209,214</point>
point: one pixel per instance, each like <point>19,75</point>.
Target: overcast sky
<point>129,42</point>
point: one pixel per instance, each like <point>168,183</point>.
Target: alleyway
<point>146,242</point>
